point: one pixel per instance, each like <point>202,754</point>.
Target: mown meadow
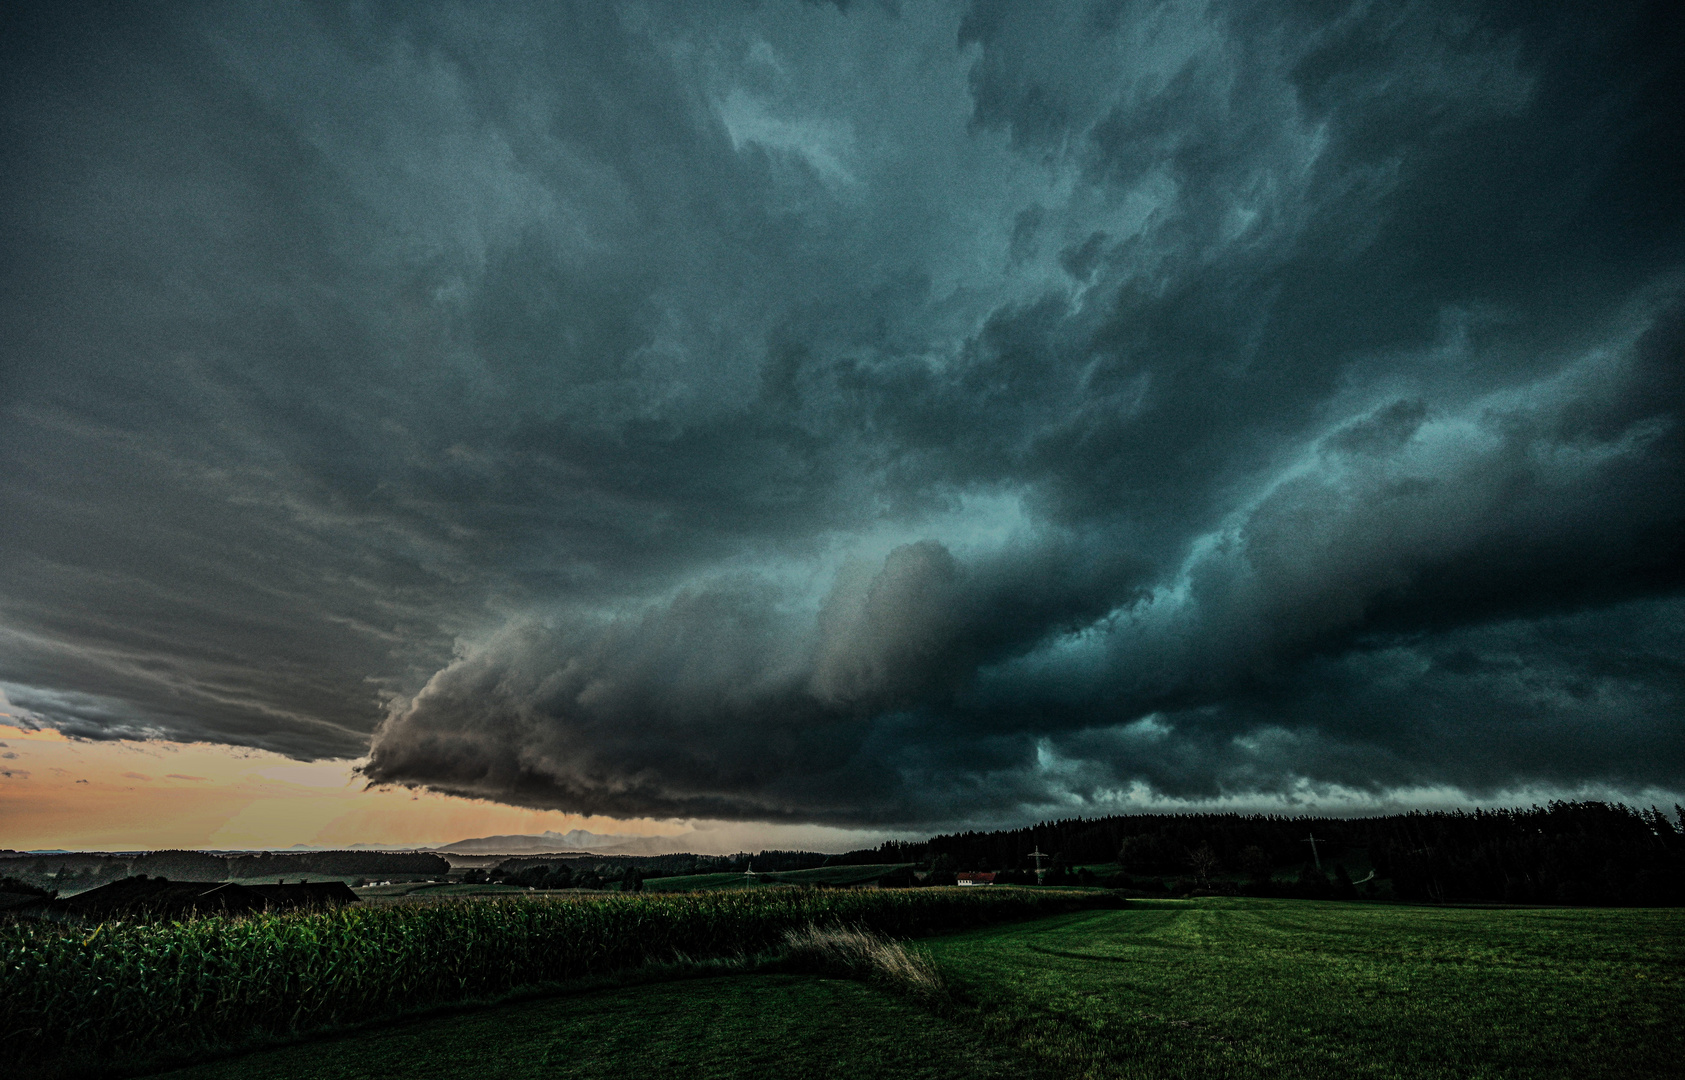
<point>1284,989</point>
<point>79,1000</point>
<point>1223,988</point>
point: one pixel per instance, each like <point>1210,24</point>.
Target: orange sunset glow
<point>58,792</point>
<point>130,795</point>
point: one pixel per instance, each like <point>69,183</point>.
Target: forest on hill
<point>1566,852</point>
<point>72,871</point>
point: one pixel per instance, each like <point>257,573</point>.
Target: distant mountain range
<point>571,842</point>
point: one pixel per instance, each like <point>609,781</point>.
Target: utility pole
<point>1312,842</point>
<point>1038,855</point>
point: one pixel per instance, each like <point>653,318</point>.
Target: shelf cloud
<point>854,414</point>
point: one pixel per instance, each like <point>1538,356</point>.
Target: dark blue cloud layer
<point>862,415</point>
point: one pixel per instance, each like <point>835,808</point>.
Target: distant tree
<point>1312,884</point>
<point>1203,861</point>
<point>16,885</point>
<point>1058,873</point>
<point>1256,863</point>
<point>1150,853</point>
<point>633,881</point>
<point>1343,887</point>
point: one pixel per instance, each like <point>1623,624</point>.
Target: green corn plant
<point>133,990</point>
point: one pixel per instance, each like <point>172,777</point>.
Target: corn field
<point>127,991</point>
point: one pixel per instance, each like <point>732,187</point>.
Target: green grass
<point>839,875</point>
<point>135,991</point>
<point>772,1027</point>
<point>695,883</point>
<point>292,876</point>
<point>820,875</point>
<point>1270,988</point>
<point>1215,988</point>
<point>422,889</point>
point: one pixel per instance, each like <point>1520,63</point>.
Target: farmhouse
<point>975,878</point>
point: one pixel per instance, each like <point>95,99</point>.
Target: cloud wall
<point>852,414</point>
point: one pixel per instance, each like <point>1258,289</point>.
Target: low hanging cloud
<point>1373,619</point>
<point>854,415</point>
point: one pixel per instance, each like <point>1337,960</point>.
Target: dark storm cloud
<point>850,413</point>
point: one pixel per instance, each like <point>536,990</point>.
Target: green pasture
<point>418,889</point>
<point>767,1026</point>
<point>695,883</point>
<point>1281,988</point>
<point>1204,988</point>
<point>820,875</point>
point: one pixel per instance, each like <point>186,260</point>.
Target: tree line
<point>71,871</point>
<point>1567,852</point>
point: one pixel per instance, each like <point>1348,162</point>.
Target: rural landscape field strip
<point>129,991</point>
<point>1243,989</point>
<point>1266,988</point>
<point>827,875</point>
<point>765,1026</point>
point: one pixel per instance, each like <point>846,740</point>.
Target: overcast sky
<point>869,415</point>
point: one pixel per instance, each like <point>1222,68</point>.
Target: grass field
<point>1204,988</point>
<point>1273,988</point>
<point>820,875</point>
<point>413,890</point>
<point>771,1027</point>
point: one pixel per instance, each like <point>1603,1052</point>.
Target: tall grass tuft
<point>857,952</point>
<point>128,991</point>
